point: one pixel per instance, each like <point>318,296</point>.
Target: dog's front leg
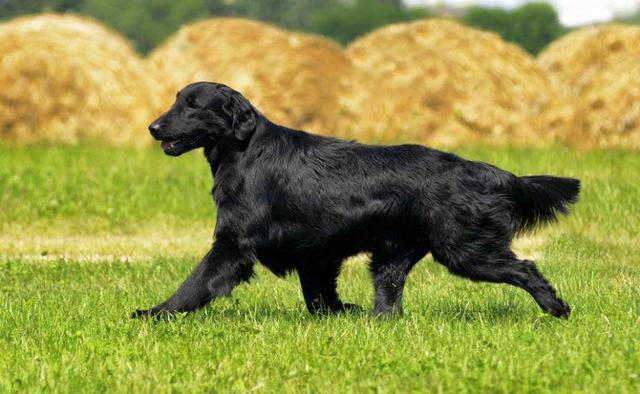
<point>222,269</point>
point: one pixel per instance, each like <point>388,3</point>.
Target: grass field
<point>89,234</point>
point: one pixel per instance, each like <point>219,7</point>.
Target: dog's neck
<point>217,153</point>
<point>229,148</point>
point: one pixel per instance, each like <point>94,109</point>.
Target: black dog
<point>298,201</point>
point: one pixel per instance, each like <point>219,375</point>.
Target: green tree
<point>293,14</point>
<point>346,21</point>
<point>11,8</point>
<point>633,19</point>
<point>536,25</point>
<point>146,22</point>
<point>532,26</point>
<point>495,19</point>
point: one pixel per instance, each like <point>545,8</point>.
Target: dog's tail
<point>540,198</point>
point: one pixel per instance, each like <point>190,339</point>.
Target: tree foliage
<point>532,26</point>
<point>633,18</point>
<point>344,22</point>
<point>11,8</point>
<point>146,22</point>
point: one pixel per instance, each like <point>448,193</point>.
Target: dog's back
<point>339,189</point>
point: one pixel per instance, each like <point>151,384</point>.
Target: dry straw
<point>597,69</point>
<point>65,78</point>
<point>295,79</point>
<point>439,82</point>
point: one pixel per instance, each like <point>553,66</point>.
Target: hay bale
<point>295,79</point>
<point>437,81</point>
<point>66,78</point>
<point>579,56</point>
<point>597,70</point>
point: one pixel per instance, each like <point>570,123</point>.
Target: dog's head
<point>204,114</point>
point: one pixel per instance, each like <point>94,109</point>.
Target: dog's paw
<point>156,313</point>
<point>138,313</point>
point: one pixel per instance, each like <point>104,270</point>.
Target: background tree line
<point>149,22</point>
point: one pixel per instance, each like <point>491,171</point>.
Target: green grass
<point>89,234</point>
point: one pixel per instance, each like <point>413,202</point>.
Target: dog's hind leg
<point>319,281</point>
<point>506,268</point>
<point>389,276</point>
<point>222,269</point>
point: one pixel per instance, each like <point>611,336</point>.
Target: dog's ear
<point>243,116</point>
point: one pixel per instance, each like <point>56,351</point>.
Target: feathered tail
<point>540,198</point>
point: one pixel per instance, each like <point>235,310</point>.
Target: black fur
<point>298,201</point>
<point>540,198</point>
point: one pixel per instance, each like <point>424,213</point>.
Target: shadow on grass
<point>259,314</point>
<point>262,314</point>
<point>490,312</point>
<point>453,312</point>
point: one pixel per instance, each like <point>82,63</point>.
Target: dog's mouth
<point>168,145</point>
<point>178,146</point>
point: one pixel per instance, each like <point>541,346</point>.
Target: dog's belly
<point>283,255</point>
<point>281,261</point>
<point>279,265</point>
<point>284,247</point>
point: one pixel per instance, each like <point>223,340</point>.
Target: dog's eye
<point>191,102</point>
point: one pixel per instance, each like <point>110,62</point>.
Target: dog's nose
<point>155,128</point>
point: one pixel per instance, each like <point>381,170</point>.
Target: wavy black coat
<point>298,201</point>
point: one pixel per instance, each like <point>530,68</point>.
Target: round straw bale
<point>597,70</point>
<point>66,78</point>
<point>579,56</point>
<point>437,81</point>
<point>295,79</point>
